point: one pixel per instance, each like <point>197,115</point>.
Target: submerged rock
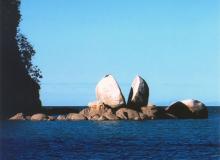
<point>139,93</point>
<point>75,116</point>
<point>127,114</point>
<point>18,116</point>
<point>39,117</point>
<point>109,92</point>
<point>188,109</point>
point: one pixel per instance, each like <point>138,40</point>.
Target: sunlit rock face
<point>189,108</point>
<point>39,117</point>
<point>109,92</point>
<point>139,93</point>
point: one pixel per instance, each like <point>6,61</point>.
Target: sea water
<point>96,140</point>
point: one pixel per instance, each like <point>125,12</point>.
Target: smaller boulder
<point>18,116</point>
<point>75,117</point>
<point>39,117</point>
<point>61,118</point>
<point>188,109</point>
<point>127,114</point>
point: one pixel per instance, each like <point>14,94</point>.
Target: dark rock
<point>179,110</point>
<point>198,109</point>
<point>188,109</point>
<point>142,116</point>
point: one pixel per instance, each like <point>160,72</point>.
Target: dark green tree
<point>27,52</point>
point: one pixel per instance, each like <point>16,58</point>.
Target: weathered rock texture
<point>97,110</point>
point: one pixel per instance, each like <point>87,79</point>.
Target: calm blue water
<point>156,139</point>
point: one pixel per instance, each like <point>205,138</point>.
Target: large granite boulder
<point>127,114</point>
<point>75,117</point>
<point>188,109</point>
<point>39,117</point>
<point>18,116</point>
<point>109,92</point>
<point>139,93</point>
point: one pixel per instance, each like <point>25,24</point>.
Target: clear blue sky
<point>174,45</point>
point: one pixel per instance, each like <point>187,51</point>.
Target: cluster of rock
<point>111,105</point>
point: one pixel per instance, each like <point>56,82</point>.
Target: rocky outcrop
<point>109,92</point>
<point>127,114</point>
<point>75,117</point>
<point>139,93</point>
<point>188,109</point>
<point>18,116</point>
<point>39,117</point>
